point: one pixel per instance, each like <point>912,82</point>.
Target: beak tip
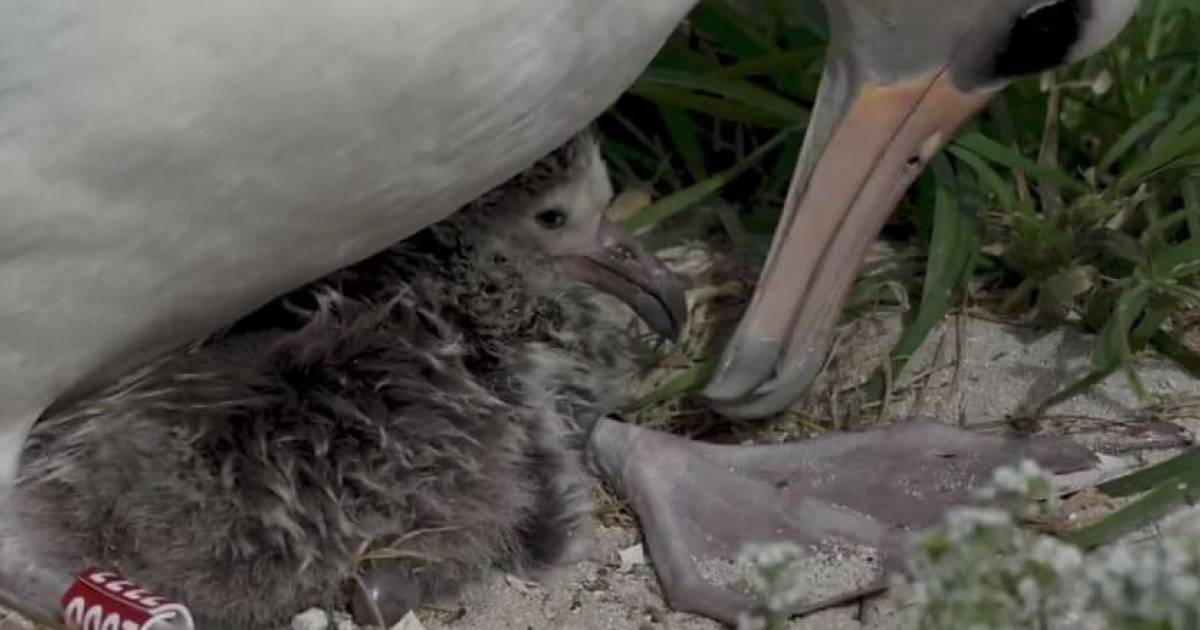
<point>747,392</point>
<point>668,324</point>
<point>669,315</point>
<point>746,364</point>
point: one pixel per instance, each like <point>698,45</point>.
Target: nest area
<point>942,379</point>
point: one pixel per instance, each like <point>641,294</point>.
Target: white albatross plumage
<point>166,166</point>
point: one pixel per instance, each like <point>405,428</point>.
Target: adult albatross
<point>166,166</point>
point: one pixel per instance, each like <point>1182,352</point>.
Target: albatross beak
<point>866,144</point>
<point>621,267</point>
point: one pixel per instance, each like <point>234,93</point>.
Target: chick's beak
<point>620,266</point>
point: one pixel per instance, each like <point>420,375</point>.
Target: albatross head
<point>900,77</point>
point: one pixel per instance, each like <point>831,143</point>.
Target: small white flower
<point>311,619</point>
<point>1185,587</point>
<point>751,622</point>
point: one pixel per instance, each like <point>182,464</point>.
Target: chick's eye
<point>551,219</point>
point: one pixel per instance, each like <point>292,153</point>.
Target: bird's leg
<point>698,501</point>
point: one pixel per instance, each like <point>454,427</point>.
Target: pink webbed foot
<point>697,502</point>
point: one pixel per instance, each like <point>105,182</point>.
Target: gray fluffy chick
<point>434,398</point>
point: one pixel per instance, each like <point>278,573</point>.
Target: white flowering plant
<point>980,570</point>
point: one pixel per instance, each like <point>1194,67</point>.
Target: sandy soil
<point>972,371</point>
<point>993,376</point>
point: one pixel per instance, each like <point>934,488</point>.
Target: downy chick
<point>433,399</point>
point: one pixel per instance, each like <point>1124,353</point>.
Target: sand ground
<point>971,371</point>
<point>1001,371</point>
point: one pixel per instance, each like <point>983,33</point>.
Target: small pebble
<point>409,622</point>
<point>632,557</point>
<point>344,622</point>
<point>520,585</point>
<point>311,619</point>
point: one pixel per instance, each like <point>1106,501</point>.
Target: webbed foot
<point>698,501</point>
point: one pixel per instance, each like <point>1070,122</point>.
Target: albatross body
<point>167,166</point>
<point>408,424</point>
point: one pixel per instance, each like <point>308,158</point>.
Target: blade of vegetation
<point>953,250</point>
<point>1178,352</point>
<point>682,383</point>
<point>685,140</point>
<point>732,28</point>
<point>995,152</point>
<point>734,90</point>
<point>988,177</point>
<point>1113,348</point>
<point>1138,132</point>
<point>1153,505</point>
<point>677,202</point>
<point>1169,152</point>
<point>1152,476</point>
<point>710,105</point>
<point>1182,120</point>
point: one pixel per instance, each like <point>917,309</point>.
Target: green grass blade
<point>676,55</point>
<point>629,153</point>
<point>742,92</point>
<point>812,15</point>
<point>1136,133</point>
<point>1162,156</point>
<point>995,152</point>
<point>779,175</point>
<point>710,105</point>
<point>1189,188</point>
<point>681,383</point>
<point>1149,507</point>
<point>1074,389</point>
<point>1181,121</point>
<point>765,65</point>
<point>953,250</point>
<point>682,133</point>
<point>988,177</point>
<point>1120,246</point>
<point>731,29</point>
<point>1175,350</point>
<point>1112,348</point>
<point>1177,261</point>
<point>681,200</point>
<point>1152,476</point>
